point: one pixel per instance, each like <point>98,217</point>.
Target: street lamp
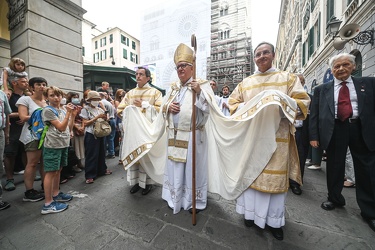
<point>333,26</point>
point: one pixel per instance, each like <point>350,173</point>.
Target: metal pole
<point>193,128</point>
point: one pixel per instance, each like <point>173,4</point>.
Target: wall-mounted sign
<point>16,14</point>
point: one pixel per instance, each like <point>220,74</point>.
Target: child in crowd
<point>55,151</point>
<point>16,68</point>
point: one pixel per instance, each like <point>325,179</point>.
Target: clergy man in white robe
<point>148,100</point>
<point>177,110</point>
<point>263,203</point>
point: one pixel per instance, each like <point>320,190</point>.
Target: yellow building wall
<point>4,32</point>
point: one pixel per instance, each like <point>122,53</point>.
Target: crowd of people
<point>67,146</point>
<point>165,138</point>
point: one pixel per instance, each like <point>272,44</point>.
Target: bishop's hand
<point>174,108</point>
<point>196,87</point>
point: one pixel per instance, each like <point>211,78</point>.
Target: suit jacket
<point>322,113</point>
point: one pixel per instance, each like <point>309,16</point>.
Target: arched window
<point>224,8</point>
<point>224,31</point>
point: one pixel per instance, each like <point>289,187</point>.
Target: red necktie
<point>344,106</point>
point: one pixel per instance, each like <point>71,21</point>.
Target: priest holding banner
<point>263,202</point>
<point>147,101</point>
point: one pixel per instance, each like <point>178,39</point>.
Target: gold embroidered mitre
<point>183,53</point>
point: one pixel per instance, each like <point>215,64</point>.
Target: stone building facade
<point>166,25</point>
<point>114,47</point>
<point>288,44</point>
<point>231,56</point>
<point>317,44</point>
<point>47,35</point>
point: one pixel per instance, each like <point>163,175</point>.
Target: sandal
<point>108,172</point>
<point>89,181</point>
<point>349,184</point>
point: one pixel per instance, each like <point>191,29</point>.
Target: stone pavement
<point>104,215</point>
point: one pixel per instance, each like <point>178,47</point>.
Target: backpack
<point>36,125</point>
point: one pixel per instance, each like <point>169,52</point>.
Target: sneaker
<point>314,167</point>
<point>20,172</point>
<point>54,207</point>
<point>61,197</point>
<point>111,156</point>
<point>37,178</point>
<point>9,185</point>
<point>309,163</point>
<point>33,195</point>
<point>4,205</point>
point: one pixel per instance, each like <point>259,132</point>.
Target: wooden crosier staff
<point>193,127</point>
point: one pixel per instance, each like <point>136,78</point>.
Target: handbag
<point>101,127</point>
<point>78,132</point>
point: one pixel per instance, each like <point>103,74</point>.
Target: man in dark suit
<point>342,115</point>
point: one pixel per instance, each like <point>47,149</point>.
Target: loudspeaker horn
<point>349,31</point>
<point>339,43</point>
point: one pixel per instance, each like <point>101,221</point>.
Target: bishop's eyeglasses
<point>183,66</point>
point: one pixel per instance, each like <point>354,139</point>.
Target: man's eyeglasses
<point>265,53</point>
<point>183,66</point>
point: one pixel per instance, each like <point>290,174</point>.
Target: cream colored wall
<point>4,32</point>
<point>4,35</point>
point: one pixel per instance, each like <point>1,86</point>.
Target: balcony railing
<point>353,6</point>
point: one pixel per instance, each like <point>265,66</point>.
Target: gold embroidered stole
<point>178,137</point>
